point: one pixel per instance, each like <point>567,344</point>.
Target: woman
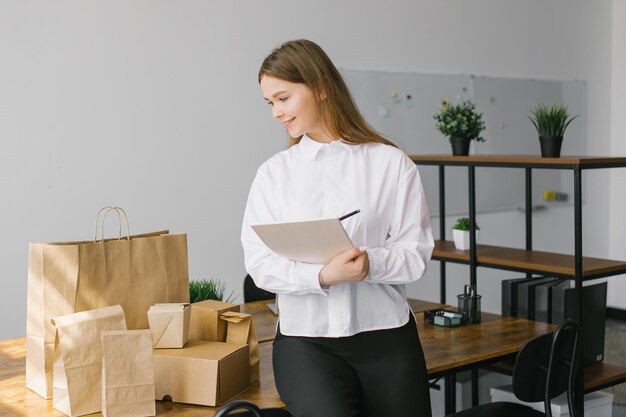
<point>346,343</point>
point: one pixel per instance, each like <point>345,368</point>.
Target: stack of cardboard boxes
<point>193,364</point>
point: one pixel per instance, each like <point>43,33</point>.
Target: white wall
<point>154,105</point>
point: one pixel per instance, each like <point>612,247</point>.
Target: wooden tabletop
<point>454,349</point>
<point>445,349</point>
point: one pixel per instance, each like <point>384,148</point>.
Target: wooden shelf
<point>602,375</point>
<point>522,161</point>
<point>597,376</point>
<point>529,261</point>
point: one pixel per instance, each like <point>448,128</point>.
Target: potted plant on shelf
<point>210,289</point>
<point>550,122</point>
<point>460,233</point>
<point>461,123</point>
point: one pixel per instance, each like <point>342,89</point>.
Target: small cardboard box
<point>203,373</point>
<point>205,323</point>
<point>169,324</point>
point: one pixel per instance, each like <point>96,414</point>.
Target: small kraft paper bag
<point>127,374</point>
<point>241,331</point>
<point>77,378</point>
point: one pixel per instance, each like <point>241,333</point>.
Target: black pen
<point>349,214</point>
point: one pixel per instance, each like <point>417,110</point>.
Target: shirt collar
<point>311,148</point>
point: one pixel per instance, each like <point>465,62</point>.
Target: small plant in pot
<point>550,122</point>
<point>210,289</point>
<point>460,233</point>
<point>461,123</point>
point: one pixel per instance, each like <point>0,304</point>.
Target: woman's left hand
<point>350,266</point>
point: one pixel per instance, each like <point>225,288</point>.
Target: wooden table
<point>446,350</point>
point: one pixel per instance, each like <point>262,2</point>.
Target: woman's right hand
<point>349,266</point>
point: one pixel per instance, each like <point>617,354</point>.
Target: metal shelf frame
<point>576,165</point>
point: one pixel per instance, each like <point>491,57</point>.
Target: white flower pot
<point>462,239</point>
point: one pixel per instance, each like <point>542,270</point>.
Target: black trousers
<point>379,373</point>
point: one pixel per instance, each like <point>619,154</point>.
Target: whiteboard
<point>401,107</point>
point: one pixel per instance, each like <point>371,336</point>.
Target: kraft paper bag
<point>127,374</point>
<point>77,375</point>
<point>169,324</point>
<point>63,278</point>
<point>241,331</point>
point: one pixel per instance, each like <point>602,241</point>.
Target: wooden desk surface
<point>446,350</point>
<point>496,337</point>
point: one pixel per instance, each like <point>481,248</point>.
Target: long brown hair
<point>304,62</point>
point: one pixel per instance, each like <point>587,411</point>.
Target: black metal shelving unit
<point>576,267</point>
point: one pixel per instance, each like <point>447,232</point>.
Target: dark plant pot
<point>550,146</point>
<point>460,146</point>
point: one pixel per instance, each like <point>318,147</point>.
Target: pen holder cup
<point>470,307</point>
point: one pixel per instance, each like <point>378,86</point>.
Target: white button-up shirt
<point>312,180</point>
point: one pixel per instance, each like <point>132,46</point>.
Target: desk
<point>446,350</point>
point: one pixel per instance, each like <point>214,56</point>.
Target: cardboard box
<point>203,373</point>
<point>597,403</point>
<point>205,323</point>
<point>169,324</point>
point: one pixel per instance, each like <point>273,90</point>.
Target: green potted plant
<point>210,289</point>
<point>460,233</point>
<point>550,122</point>
<point>461,123</point>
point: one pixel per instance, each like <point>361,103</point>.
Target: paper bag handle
<point>118,210</point>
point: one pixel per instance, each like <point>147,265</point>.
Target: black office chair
<point>545,367</point>
<point>253,293</point>
<point>252,410</point>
